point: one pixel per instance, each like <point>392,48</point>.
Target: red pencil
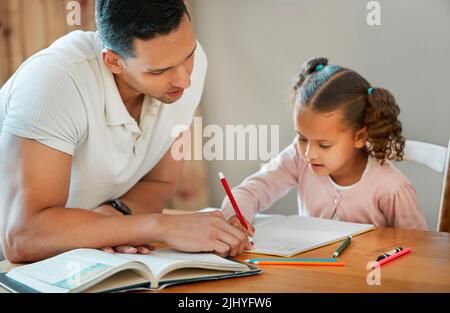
<point>392,257</point>
<point>232,200</point>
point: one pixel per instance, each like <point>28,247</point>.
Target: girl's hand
<point>234,221</point>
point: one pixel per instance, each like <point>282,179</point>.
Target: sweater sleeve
<point>260,190</point>
<point>402,210</point>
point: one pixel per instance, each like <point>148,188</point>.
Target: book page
<point>124,280</point>
<point>295,234</point>
<point>162,261</point>
<point>66,271</point>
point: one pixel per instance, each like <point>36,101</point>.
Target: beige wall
<point>27,26</point>
<point>255,47</point>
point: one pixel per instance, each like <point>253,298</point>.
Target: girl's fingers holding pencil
<point>251,229</point>
<point>236,223</point>
<point>249,245</point>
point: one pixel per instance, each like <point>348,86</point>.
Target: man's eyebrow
<point>168,68</point>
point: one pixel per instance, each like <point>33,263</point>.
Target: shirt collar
<point>342,188</point>
<point>115,111</point>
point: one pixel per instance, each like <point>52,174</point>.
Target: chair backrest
<point>437,158</point>
<point>443,223</point>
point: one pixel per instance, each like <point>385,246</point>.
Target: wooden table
<point>426,269</point>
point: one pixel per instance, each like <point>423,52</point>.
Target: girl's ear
<point>112,61</point>
<point>361,137</point>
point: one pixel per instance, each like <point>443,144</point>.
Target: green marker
<point>342,247</point>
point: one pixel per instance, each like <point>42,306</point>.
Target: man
<point>86,135</point>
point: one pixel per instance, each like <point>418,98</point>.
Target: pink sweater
<point>383,196</point>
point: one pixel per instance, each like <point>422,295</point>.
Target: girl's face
<point>329,147</point>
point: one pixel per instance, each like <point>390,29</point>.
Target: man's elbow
<point>17,247</point>
<point>13,255</point>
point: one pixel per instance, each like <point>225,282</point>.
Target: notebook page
<point>296,234</point>
<point>262,219</point>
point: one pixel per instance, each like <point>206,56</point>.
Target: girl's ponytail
<point>383,127</point>
<point>309,67</point>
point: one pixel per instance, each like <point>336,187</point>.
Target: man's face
<point>161,67</point>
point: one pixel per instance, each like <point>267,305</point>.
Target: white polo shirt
<point>65,98</point>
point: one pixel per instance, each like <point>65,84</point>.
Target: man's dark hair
<point>119,22</point>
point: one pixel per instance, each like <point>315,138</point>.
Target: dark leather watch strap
<point>120,206</point>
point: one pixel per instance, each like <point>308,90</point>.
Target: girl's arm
<point>260,190</point>
<point>402,209</point>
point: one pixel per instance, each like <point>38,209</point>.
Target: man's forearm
<point>55,230</point>
<point>148,197</point>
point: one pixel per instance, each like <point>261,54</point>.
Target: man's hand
<point>209,232</point>
<point>130,249</point>
<point>145,249</point>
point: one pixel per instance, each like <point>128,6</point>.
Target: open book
<point>289,235</point>
<point>91,270</point>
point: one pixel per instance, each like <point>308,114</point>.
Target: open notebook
<point>289,235</point>
<point>91,270</point>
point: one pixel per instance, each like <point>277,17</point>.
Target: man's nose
<point>182,78</point>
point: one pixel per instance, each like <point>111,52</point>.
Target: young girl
<point>347,131</point>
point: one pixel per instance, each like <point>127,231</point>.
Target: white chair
<point>437,158</point>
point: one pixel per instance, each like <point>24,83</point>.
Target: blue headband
<point>369,91</point>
